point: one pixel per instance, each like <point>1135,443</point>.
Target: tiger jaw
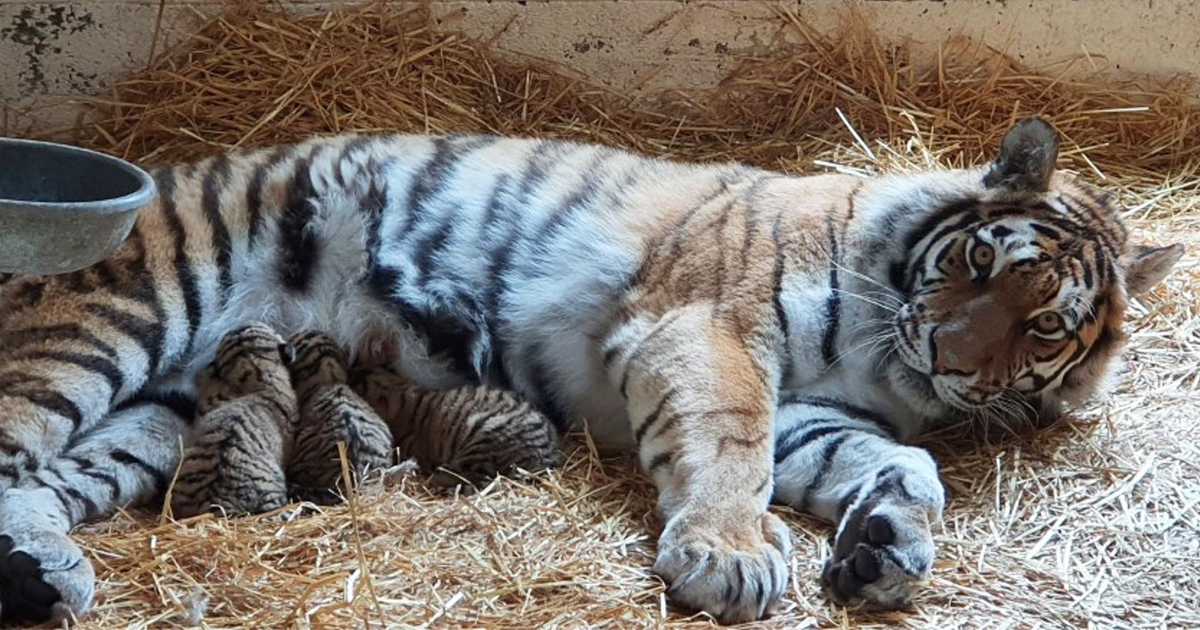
<point>961,398</point>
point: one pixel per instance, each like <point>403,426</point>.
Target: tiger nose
<point>945,348</point>
<point>944,362</point>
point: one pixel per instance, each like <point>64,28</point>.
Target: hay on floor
<point>1092,522</point>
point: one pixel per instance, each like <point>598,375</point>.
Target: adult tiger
<point>673,305</point>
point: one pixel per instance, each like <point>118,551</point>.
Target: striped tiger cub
<point>243,437</point>
<point>749,334</point>
<point>467,433</point>
<point>331,412</point>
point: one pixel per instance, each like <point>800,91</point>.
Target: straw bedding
<point>1092,522</point>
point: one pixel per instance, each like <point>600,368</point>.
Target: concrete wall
<point>53,52</point>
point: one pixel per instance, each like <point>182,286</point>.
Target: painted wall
<point>52,52</point>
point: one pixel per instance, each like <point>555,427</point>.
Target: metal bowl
<point>63,208</point>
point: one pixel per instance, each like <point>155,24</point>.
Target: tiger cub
<point>330,412</point>
<point>464,434</point>
<point>248,416</point>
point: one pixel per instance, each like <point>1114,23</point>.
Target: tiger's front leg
<point>67,355</point>
<point>701,413</point>
<point>125,461</point>
<point>837,462</point>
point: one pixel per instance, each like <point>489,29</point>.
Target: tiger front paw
<point>881,559</point>
<point>735,575</point>
<point>44,575</point>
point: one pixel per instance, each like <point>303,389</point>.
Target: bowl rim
<point>141,196</point>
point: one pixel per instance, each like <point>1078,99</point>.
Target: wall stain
<point>589,44</point>
<point>39,28</point>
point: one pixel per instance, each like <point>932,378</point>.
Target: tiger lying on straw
<point>751,334</point>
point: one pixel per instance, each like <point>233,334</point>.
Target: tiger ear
<point>1147,266</point>
<point>1027,156</point>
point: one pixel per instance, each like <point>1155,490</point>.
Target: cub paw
<point>880,560</point>
<point>313,494</point>
<point>735,576</point>
<point>44,577</point>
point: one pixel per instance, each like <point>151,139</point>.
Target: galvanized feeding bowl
<point>63,208</point>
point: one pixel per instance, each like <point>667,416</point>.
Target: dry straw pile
<point>1090,523</point>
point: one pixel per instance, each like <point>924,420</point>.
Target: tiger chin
<point>751,336</point>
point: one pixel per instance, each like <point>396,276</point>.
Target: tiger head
<point>318,361</point>
<point>1015,282</point>
<point>250,359</point>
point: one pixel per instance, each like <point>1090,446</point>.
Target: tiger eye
<point>1048,323</point>
<point>982,256</point>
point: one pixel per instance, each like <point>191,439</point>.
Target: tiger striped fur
<point>126,460</point>
<point>466,433</point>
<point>671,305</point>
<point>331,412</point>
<point>244,434</point>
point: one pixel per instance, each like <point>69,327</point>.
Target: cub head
<point>318,360</point>
<point>249,359</point>
<point>1016,283</point>
<point>382,387</point>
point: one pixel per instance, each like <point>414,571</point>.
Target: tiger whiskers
<point>1006,414</point>
<point>1021,403</point>
<point>884,295</point>
<point>1010,412</point>
<point>878,323</point>
<point>869,300</point>
<point>985,417</point>
<point>886,357</point>
<point>885,289</point>
<point>885,336</point>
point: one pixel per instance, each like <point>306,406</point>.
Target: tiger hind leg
<point>125,461</point>
<point>838,463</point>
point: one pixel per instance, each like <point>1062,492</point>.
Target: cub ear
<point>1027,156</point>
<point>288,352</point>
<point>1146,266</point>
